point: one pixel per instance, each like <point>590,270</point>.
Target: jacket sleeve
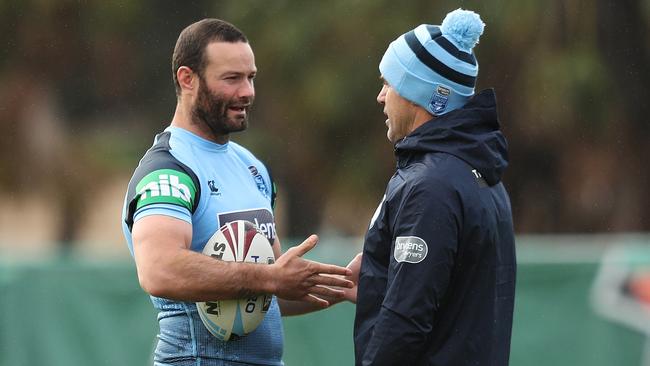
<point>425,237</point>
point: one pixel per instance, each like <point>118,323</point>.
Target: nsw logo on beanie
<point>434,66</point>
<point>439,100</point>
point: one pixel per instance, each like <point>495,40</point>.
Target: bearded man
<point>194,180</point>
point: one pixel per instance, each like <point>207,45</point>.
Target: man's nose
<point>247,90</point>
<point>381,97</point>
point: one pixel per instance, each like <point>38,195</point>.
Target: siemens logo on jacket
<point>409,246</point>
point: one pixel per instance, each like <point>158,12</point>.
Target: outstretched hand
<point>300,279</point>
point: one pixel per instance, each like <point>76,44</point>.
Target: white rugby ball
<point>238,241</point>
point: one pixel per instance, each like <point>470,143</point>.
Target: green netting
<point>73,312</point>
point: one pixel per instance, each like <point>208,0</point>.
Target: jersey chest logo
<point>214,190</point>
<point>259,181</point>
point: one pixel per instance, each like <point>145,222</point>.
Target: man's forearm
<point>168,268</point>
<point>189,276</point>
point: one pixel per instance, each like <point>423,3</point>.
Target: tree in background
<point>570,78</point>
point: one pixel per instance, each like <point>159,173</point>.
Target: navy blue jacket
<point>437,278</point>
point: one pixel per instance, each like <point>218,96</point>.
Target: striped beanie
<point>434,66</point>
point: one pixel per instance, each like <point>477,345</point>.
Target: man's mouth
<point>239,108</point>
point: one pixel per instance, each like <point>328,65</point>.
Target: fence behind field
<point>571,308</point>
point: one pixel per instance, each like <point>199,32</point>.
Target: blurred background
<point>85,85</point>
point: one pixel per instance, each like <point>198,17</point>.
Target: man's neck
<point>183,119</point>
<point>422,116</point>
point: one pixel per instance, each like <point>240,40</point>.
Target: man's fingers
<point>316,300</point>
<point>327,292</point>
<point>331,269</point>
<point>306,245</point>
<point>328,280</point>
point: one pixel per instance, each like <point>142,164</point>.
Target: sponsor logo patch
<point>440,99</point>
<point>410,249</point>
<point>166,186</point>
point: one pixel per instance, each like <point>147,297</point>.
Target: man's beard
<point>212,111</point>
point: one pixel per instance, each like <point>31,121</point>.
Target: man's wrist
<point>266,275</point>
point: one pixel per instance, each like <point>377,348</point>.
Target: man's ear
<point>187,79</point>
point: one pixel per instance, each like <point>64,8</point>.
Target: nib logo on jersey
<point>261,217</point>
<point>166,186</point>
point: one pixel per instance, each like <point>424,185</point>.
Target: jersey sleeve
<point>423,248</point>
<point>161,185</point>
<point>273,187</point>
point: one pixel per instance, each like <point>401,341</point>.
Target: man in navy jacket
<point>437,277</point>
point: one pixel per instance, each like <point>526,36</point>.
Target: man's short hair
<point>193,40</point>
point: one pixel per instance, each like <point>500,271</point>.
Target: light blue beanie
<point>434,66</point>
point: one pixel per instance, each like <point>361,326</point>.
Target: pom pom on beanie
<point>434,66</point>
<point>463,28</point>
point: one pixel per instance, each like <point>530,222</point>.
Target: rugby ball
<point>237,241</point>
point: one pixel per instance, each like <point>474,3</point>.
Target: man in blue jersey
<point>194,180</point>
<point>437,278</point>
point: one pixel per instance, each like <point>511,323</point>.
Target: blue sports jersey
<point>206,184</point>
